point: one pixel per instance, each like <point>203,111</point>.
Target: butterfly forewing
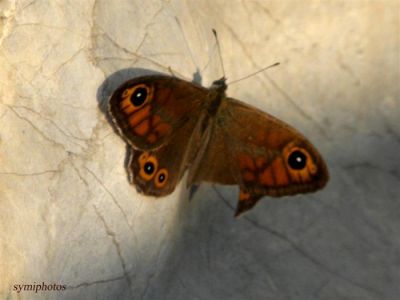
<point>148,110</point>
<point>260,153</point>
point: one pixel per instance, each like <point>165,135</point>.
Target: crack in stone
<point>303,252</point>
<point>135,55</point>
<point>152,23</point>
<point>50,121</point>
<point>59,28</point>
<point>113,237</point>
<point>26,6</point>
<point>285,95</point>
<point>114,199</point>
<point>8,17</point>
<point>30,174</point>
<point>53,142</point>
<point>70,59</point>
<point>80,176</point>
<point>392,132</point>
<point>100,281</point>
<point>278,22</point>
<point>347,68</point>
<point>317,292</point>
<point>207,246</point>
<point>268,13</point>
<point>153,274</point>
<point>188,291</point>
<point>148,282</point>
<point>368,165</point>
<point>45,56</point>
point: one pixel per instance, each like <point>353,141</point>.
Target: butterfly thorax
<point>217,93</point>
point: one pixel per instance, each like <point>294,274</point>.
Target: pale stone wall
<point>69,216</point>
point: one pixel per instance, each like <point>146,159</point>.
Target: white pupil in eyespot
<point>138,95</point>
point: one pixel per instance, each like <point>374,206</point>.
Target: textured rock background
<point>68,215</point>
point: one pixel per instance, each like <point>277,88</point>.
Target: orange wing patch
<point>158,128</point>
<point>139,115</point>
<point>152,138</point>
<point>266,178</point>
<point>278,172</point>
<point>140,119</point>
<point>246,202</point>
<point>243,196</point>
<point>163,129</point>
<point>246,162</point>
<point>143,128</point>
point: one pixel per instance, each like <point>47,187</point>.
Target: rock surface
<point>68,215</point>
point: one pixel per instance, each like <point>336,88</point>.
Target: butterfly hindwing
<point>156,172</point>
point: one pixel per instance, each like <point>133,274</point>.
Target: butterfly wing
<point>260,153</point>
<point>148,110</point>
<point>156,172</point>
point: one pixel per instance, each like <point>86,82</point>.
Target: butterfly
<point>172,126</point>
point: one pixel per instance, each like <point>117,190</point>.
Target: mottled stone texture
<point>69,216</point>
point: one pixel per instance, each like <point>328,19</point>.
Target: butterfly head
<point>220,85</point>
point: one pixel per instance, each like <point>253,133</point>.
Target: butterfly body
<point>172,126</point>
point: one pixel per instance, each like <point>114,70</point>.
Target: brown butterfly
<point>172,125</point>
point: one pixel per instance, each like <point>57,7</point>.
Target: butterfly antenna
<point>186,43</point>
<point>219,51</point>
<point>255,73</point>
<point>196,75</point>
